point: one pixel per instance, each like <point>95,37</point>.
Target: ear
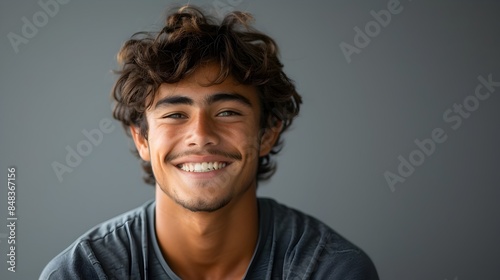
<point>141,143</point>
<point>269,138</point>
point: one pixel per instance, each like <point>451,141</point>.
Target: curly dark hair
<point>191,39</point>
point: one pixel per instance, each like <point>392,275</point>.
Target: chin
<point>202,205</point>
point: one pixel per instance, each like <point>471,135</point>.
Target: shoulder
<point>90,256</point>
<point>311,248</point>
<point>73,263</point>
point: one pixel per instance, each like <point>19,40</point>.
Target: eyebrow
<point>174,100</point>
<point>217,97</point>
<point>223,96</point>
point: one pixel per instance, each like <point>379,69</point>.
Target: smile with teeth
<point>202,166</point>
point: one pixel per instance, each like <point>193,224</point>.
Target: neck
<point>202,245</point>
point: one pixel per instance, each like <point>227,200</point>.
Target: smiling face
<point>204,142</point>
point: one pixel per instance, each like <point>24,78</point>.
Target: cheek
<point>161,141</point>
<point>247,142</point>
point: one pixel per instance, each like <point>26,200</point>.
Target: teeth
<point>202,166</point>
<point>197,167</point>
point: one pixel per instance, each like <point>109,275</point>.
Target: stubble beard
<point>200,204</point>
<point>208,204</point>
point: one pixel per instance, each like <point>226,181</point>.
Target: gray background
<point>357,118</point>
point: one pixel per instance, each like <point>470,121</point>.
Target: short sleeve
<point>76,262</point>
<point>345,264</point>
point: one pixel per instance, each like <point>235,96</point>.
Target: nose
<point>202,131</point>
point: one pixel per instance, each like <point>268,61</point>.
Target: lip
<point>200,159</point>
<point>210,175</point>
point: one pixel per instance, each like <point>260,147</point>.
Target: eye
<point>227,114</point>
<point>174,116</point>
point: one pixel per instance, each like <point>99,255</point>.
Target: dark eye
<point>174,116</point>
<point>227,114</point>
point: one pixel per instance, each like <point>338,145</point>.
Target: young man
<point>205,105</point>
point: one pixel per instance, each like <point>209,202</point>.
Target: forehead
<point>199,86</point>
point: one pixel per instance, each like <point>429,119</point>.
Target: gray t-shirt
<point>291,245</point>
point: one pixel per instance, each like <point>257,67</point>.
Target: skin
<point>206,223</point>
